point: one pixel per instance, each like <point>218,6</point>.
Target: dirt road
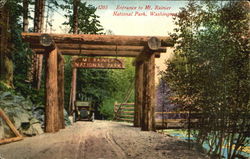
<point>99,140</point>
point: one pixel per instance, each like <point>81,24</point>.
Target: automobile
<point>83,111</point>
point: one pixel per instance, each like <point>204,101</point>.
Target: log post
<point>149,100</point>
<point>38,72</point>
<point>51,86</point>
<point>74,86</point>
<point>73,90</point>
<point>60,71</point>
<point>51,104</point>
<point>138,93</point>
<point>148,104</point>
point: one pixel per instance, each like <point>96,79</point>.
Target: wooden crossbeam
<point>97,39</point>
<point>96,53</point>
<point>98,45</point>
<point>61,46</point>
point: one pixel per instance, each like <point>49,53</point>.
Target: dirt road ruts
<point>99,140</point>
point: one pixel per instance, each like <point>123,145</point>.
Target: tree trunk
<point>31,70</point>
<point>75,16</point>
<point>74,70</point>
<point>25,15</point>
<point>36,16</point>
<point>138,93</point>
<point>40,57</point>
<point>6,63</point>
<point>26,29</point>
<point>38,74</point>
<point>37,60</point>
<point>60,79</point>
<point>39,16</point>
<point>51,92</point>
<point>148,104</point>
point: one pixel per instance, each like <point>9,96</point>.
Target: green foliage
<point>88,22</point>
<point>210,72</point>
<point>101,86</point>
<point>22,61</point>
<point>20,53</point>
<point>93,85</point>
<point>122,81</point>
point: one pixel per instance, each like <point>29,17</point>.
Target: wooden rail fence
<point>125,112</point>
<point>175,119</point>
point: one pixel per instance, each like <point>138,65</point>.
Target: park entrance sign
<point>103,63</point>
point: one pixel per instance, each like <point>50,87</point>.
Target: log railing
<point>124,111</point>
<point>175,119</point>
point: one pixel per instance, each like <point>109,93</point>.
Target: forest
<point>208,75</point>
<point>28,79</point>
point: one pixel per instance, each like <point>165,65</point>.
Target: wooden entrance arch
<point>144,48</point>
